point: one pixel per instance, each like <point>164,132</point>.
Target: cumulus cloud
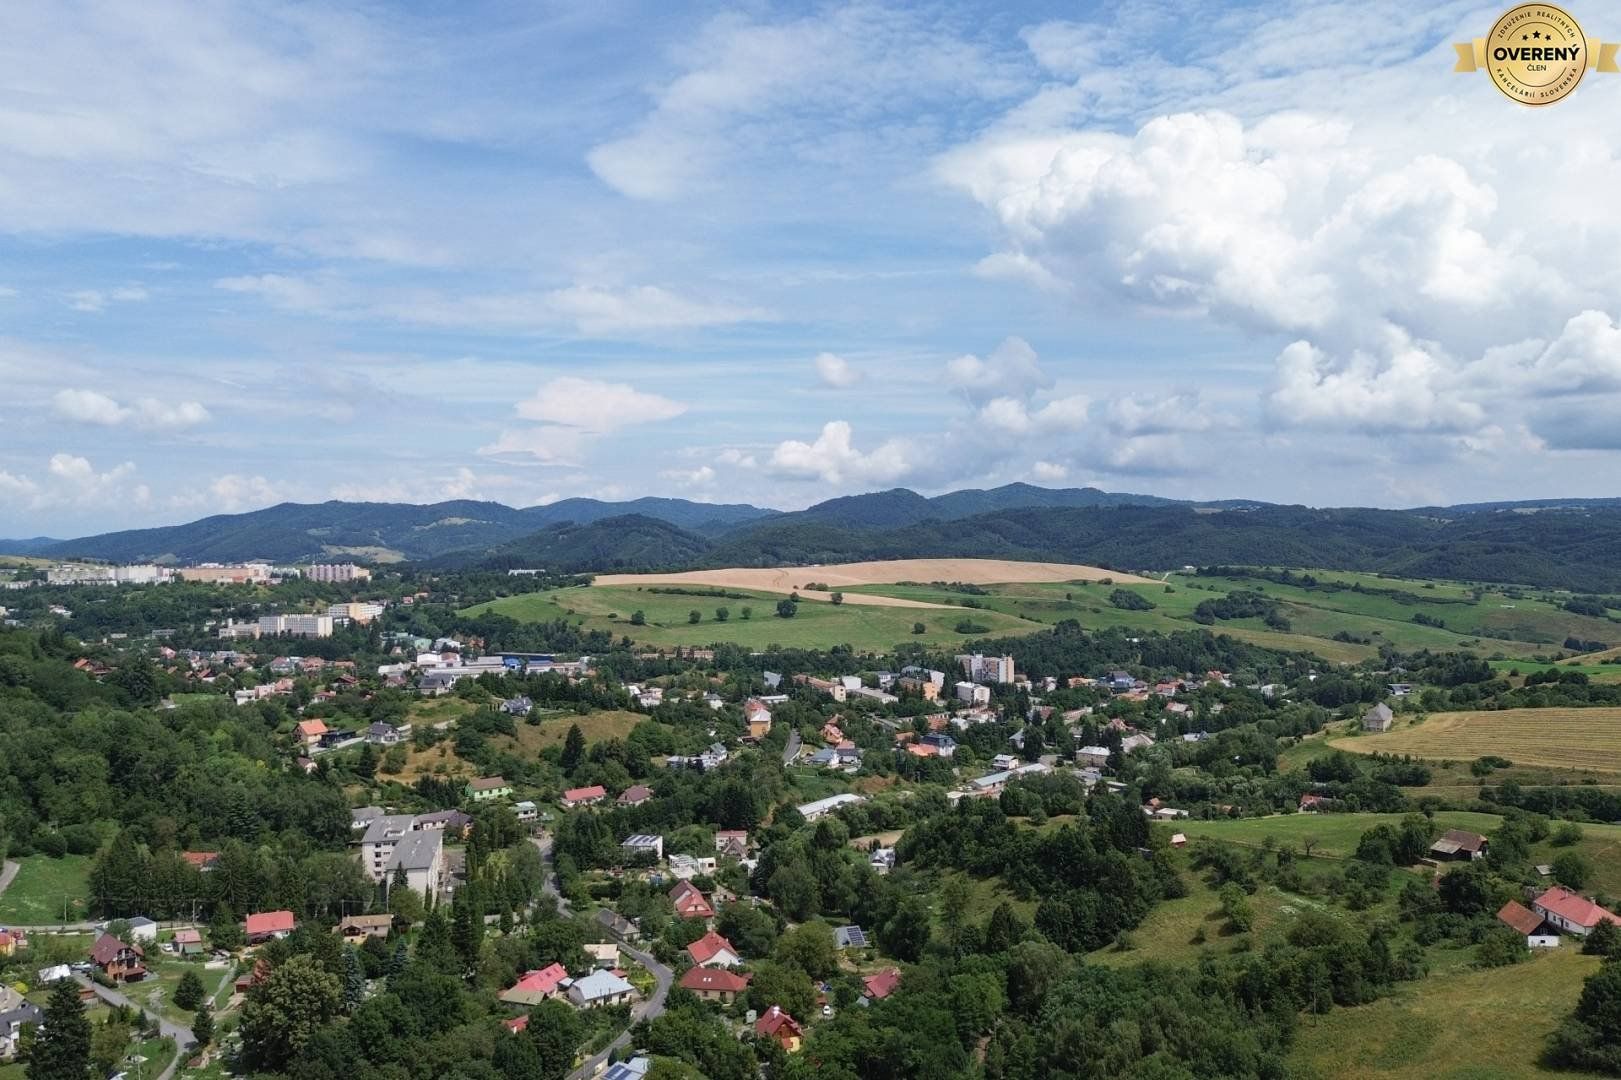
<point>702,476</point>
<point>93,407</point>
<point>1011,370</point>
<point>94,300</point>
<point>836,371</point>
<point>71,480</point>
<point>596,405</point>
<point>834,459</point>
<point>1015,417</point>
<point>571,412</point>
<point>1406,387</point>
<point>1048,472</point>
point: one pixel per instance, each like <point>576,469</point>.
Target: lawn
<point>37,896</point>
<point>815,625</point>
<point>1457,1025</point>
<point>1559,738</point>
<point>1600,673</point>
<point>1334,834</point>
<point>595,726</point>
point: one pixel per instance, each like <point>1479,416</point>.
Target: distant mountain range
<point>1558,543</point>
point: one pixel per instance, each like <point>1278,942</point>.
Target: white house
<point>821,807</point>
<point>598,989</point>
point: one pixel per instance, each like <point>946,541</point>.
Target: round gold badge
<point>1536,54</point>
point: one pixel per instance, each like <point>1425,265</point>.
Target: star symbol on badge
<point>1536,34</point>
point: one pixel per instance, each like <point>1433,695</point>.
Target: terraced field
<point>1587,739</point>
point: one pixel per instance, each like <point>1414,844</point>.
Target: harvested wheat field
<point>846,575</point>
<point>1555,738</point>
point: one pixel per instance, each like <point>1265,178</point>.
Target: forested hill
<point>1579,549</point>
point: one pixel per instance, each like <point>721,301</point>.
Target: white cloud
<point>547,445</point>
<point>1048,472</point>
<point>833,459</point>
<point>70,480</point>
<point>589,309</point>
<point>702,476</point>
<point>845,83</point>
<point>1014,417</point>
<point>1011,370</point>
<point>233,492</point>
<point>596,405</point>
<point>94,407</point>
<point>741,459</point>
<point>1406,387</point>
<point>836,371</point>
<point>95,300</point>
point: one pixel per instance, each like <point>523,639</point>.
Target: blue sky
<point>777,253</point>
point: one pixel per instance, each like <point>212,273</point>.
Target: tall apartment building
<point>245,574</point>
<point>392,842</point>
<point>296,625</point>
<point>358,613</point>
<point>338,572</point>
<point>987,669</point>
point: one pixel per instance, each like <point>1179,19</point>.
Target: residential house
<point>143,929</point>
<point>533,987</point>
<point>600,989</point>
<point>584,796</point>
<point>1460,845</point>
<point>617,925</point>
<point>821,807</point>
<point>12,942</point>
<point>118,961</point>
<point>714,984</point>
<point>850,937</point>
<point>781,1028</point>
<point>261,926</point>
<point>690,902</point>
<point>758,718</point>
<point>635,795</point>
<point>647,847</point>
<point>454,822</point>
<point>602,954</point>
<point>204,861</point>
<point>944,745</point>
<point>1571,913</point>
<point>486,788</point>
<point>1311,804</point>
<point>16,1013</point>
<point>733,843</point>
<point>973,693</point>
<point>1378,718</point>
<point>1538,934</point>
<point>1095,757</point>
<point>310,732</point>
<point>355,929</point>
<point>882,984</point>
<point>187,942</point>
<point>382,733</point>
<point>517,706</point>
<point>882,860</point>
<point>1135,742</point>
<point>526,811</point>
<point>714,951</point>
<point>631,1069</point>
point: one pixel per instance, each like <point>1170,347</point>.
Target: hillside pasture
<point>1588,739</point>
<point>889,571</point>
<point>1460,1024</point>
<point>814,625</point>
<point>1332,835</point>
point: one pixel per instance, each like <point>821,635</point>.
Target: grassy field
<point>1334,834</point>
<point>1595,672</point>
<point>1456,1025</point>
<point>35,898</point>
<point>816,625</point>
<point>1558,738</point>
<point>441,760</point>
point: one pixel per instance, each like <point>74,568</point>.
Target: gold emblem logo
<point>1535,54</point>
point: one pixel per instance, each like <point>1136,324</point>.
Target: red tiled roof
<point>1575,909</point>
<point>269,922</point>
<point>580,794</point>
<point>689,902</point>
<point>708,947</point>
<point>311,727</point>
<point>883,984</point>
<point>201,859</point>
<point>774,1021</point>
<point>541,981</point>
<point>517,1024</point>
<point>1519,917</point>
<point>715,980</point>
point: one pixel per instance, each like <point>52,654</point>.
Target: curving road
<point>662,976</point>
<point>182,1036</point>
<point>791,751</point>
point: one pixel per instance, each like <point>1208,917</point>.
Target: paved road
<point>646,1010</point>
<point>791,751</point>
<point>662,976</point>
<point>181,1036</point>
